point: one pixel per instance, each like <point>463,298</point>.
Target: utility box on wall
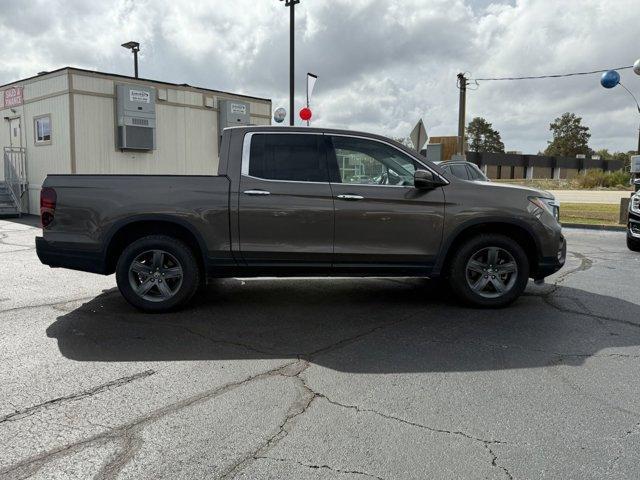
<point>233,113</point>
<point>136,117</point>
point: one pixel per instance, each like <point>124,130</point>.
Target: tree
<point>481,137</point>
<point>406,141</point>
<point>570,137</point>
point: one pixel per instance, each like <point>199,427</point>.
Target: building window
<point>42,130</point>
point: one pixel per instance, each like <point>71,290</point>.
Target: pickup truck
<point>299,202</point>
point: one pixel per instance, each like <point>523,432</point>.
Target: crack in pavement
<point>302,405</point>
<point>585,264</point>
<point>36,462</point>
<point>26,412</point>
<point>321,467</point>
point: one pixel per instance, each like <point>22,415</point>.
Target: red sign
<point>13,97</point>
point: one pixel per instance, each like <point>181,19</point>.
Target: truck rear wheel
<point>157,273</point>
<point>489,270</point>
<point>633,244</point>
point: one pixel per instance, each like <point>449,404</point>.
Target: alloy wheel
<point>491,272</point>
<point>155,275</point>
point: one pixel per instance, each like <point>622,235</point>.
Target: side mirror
<point>426,180</point>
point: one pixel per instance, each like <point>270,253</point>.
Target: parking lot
<point>321,378</point>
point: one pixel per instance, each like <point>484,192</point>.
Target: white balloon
<point>636,67</point>
<point>279,115</point>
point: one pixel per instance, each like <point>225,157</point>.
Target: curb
<point>587,226</point>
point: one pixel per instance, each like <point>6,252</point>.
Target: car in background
<point>633,224</point>
<point>463,170</point>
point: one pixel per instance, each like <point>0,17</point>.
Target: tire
<point>497,282</point>
<point>157,273</point>
<point>633,244</point>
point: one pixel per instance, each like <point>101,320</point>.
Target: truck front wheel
<point>157,273</point>
<point>489,270</point>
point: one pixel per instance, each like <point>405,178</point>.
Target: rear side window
<point>294,157</point>
<point>459,171</point>
<point>473,175</point>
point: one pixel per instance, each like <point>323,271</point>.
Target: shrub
<point>598,178</point>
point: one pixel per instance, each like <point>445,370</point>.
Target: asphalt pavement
<point>321,378</point>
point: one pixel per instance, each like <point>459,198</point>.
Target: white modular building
<point>78,121</point>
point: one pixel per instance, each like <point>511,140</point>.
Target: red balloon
<point>305,114</point>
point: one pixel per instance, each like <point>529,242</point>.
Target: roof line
<point>184,85</point>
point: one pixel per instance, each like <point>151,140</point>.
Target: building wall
<point>82,106</point>
<point>542,172</point>
<point>41,97</point>
<point>449,145</point>
<point>186,131</point>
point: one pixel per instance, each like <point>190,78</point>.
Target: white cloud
<point>382,63</point>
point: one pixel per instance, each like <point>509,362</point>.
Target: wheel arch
<point>123,233</point>
<point>519,231</point>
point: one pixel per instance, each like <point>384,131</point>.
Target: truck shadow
<point>354,325</point>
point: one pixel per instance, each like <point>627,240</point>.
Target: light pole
<point>611,78</point>
<point>135,48</point>
<point>291,4</point>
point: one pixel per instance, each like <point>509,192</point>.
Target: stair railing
<point>15,174</point>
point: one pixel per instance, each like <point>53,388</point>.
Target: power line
<point>560,75</point>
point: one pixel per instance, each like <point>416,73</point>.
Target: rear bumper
<point>549,265</point>
<point>66,256</point>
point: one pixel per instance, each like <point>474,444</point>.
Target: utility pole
<point>462,86</point>
<point>291,4</point>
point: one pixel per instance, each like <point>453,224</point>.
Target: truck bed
<point>91,208</point>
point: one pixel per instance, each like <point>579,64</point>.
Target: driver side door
<point>381,219</point>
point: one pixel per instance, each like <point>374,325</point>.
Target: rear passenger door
<point>285,201</point>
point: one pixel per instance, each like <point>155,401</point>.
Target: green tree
<point>481,137</point>
<point>570,137</point>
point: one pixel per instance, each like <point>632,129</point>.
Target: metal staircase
<point>13,198</point>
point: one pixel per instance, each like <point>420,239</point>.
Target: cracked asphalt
<point>321,378</point>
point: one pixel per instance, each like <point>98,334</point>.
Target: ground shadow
<point>355,325</point>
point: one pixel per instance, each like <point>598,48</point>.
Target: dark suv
<point>633,226</point>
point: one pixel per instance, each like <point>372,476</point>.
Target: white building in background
<point>78,121</point>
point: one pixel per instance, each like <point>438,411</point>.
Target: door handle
<point>256,192</point>
<point>350,197</point>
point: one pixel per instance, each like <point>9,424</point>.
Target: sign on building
<point>13,97</point>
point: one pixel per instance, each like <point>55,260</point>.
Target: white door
<point>15,135</point>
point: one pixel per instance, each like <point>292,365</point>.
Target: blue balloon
<point>610,79</point>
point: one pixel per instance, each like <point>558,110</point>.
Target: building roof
<point>117,75</point>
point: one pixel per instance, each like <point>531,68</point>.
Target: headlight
<point>551,205</point>
<point>634,204</point>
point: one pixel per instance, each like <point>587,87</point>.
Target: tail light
<point>48,198</point>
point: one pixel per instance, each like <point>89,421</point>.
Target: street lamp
<point>291,4</point>
<point>135,48</point>
<point>611,78</point>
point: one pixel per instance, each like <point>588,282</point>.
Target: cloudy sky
<point>382,64</point>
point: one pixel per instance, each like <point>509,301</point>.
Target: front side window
<point>293,157</point>
<point>42,130</point>
<point>367,162</point>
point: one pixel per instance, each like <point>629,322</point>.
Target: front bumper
<point>549,265</point>
<point>68,256</point>
<point>633,226</point>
